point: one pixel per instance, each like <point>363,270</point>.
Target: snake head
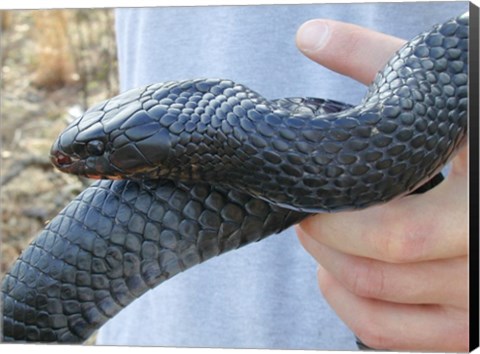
<point>82,151</point>
<point>160,130</point>
<point>114,139</point>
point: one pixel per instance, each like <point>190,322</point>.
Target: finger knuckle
<point>365,278</point>
<point>404,239</point>
<point>407,247</point>
<point>353,45</point>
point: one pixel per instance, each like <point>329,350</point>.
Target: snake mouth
<point>65,163</point>
<point>94,167</point>
<point>68,163</point>
<point>77,166</point>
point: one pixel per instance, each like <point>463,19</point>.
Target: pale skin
<point>396,274</point>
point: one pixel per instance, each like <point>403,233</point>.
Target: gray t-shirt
<point>264,295</point>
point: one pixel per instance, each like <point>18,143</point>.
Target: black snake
<point>210,165</point>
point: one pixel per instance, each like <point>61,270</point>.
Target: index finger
<point>413,228</point>
<point>345,48</point>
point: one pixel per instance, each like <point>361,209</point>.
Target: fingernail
<point>313,35</point>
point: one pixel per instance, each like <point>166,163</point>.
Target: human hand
<point>396,274</point>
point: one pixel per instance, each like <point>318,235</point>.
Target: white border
<point>50,4</point>
<point>32,4</point>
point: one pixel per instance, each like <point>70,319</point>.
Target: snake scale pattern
<point>192,169</point>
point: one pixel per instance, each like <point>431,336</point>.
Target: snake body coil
<point>210,166</point>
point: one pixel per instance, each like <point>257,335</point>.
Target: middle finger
<point>427,282</point>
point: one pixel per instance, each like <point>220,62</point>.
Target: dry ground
<point>54,64</point>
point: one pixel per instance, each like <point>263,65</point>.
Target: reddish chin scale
<point>102,177</point>
<point>94,176</point>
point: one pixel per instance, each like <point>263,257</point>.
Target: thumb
<point>347,49</point>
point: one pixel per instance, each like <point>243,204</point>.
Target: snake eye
<point>95,147</point>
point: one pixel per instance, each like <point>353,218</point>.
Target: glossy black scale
<point>211,165</point>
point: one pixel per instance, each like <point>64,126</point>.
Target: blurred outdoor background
<point>54,64</point>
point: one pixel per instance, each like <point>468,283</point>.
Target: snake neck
<point>413,118</point>
<point>327,158</point>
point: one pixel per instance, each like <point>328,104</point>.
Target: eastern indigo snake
<point>210,166</point>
